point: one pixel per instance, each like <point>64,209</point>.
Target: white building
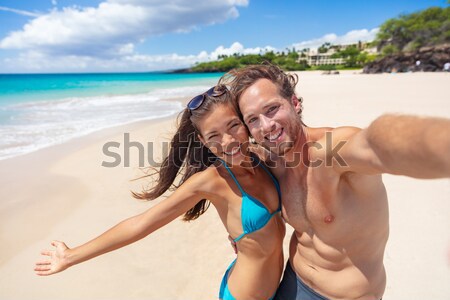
<point>314,58</point>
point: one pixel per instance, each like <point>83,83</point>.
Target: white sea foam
<point>36,125</point>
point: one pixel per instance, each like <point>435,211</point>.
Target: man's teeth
<point>275,135</point>
<point>233,152</point>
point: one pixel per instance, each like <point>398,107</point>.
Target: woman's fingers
<point>50,265</point>
<point>54,262</point>
<point>42,268</point>
<point>52,252</point>
<point>43,272</point>
<point>47,252</point>
<point>58,244</point>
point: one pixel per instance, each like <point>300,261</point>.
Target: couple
<point>329,180</point>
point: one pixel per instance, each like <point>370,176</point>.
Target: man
<point>330,178</point>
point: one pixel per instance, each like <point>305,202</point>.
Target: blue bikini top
<point>254,215</point>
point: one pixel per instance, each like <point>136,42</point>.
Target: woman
<point>210,147</point>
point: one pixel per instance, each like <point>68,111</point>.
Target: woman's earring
<point>252,140</point>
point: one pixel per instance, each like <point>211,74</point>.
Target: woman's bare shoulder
<point>209,182</point>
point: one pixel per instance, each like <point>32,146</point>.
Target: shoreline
<point>106,129</point>
<point>39,113</point>
<point>45,165</point>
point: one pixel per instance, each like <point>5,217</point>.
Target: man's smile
<point>274,136</point>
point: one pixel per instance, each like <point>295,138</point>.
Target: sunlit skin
<point>268,117</point>
<point>227,138</point>
<point>333,255</point>
<point>259,255</point>
<point>338,207</point>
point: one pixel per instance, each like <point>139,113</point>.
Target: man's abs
<point>337,273</point>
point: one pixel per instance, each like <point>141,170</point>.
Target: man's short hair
<point>239,80</point>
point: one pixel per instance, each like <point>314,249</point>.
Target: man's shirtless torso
<point>341,225</point>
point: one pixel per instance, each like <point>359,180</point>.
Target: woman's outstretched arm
<point>124,233</point>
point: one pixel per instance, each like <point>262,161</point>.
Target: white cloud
<point>238,48</point>
<point>20,12</point>
<point>104,38</point>
<point>104,30</point>
<point>36,61</point>
<point>350,37</point>
<point>126,59</point>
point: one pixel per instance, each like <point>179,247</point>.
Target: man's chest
<point>304,207</point>
<point>327,207</point>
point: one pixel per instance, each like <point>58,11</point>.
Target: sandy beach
<point>64,193</point>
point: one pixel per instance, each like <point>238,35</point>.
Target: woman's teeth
<point>233,152</point>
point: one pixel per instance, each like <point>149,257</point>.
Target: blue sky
<point>145,35</point>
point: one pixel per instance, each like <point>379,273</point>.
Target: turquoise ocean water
<point>39,110</point>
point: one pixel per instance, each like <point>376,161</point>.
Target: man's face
<point>271,119</point>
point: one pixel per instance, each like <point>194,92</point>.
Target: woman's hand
<point>57,262</point>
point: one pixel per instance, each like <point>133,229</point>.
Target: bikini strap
<point>275,181</point>
<point>234,178</point>
<point>240,237</point>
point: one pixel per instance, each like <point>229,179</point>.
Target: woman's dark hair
<point>187,154</point>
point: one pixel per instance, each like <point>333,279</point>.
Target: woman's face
<point>222,132</point>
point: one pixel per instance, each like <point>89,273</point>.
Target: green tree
<point>352,56</point>
<point>410,32</point>
<point>324,48</point>
<point>269,56</point>
<point>251,59</point>
<point>293,55</point>
<point>389,49</point>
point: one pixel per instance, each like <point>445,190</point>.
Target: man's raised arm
<point>397,144</point>
<point>412,146</point>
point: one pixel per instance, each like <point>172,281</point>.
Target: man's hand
<point>233,244</point>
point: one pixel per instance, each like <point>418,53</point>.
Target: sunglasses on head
<point>198,100</point>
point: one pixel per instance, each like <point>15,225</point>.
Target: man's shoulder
<point>323,140</point>
<point>335,134</point>
<point>347,150</point>
<point>334,151</point>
